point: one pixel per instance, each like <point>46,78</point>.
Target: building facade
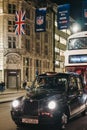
<point>22,56</point>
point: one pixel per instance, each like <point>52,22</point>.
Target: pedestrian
<point>2,86</point>
<point>24,84</point>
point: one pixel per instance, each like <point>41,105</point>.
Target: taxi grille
<point>31,108</point>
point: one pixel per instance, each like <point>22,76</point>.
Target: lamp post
<point>53,41</point>
<point>52,7</point>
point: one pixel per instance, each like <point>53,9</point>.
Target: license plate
<point>30,121</point>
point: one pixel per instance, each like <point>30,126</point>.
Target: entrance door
<point>73,96</point>
<point>12,81</point>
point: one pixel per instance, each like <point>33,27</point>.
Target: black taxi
<point>53,98</point>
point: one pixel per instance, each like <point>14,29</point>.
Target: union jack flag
<point>20,22</point>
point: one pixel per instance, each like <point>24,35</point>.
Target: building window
<point>46,38</point>
<point>38,63</point>
<point>62,40</point>
<point>61,52</point>
<point>38,36</point>
<point>26,61</point>
<point>11,42</point>
<point>38,47</point>
<point>11,8</point>
<point>11,26</point>
<point>27,29</point>
<point>28,13</point>
<point>46,50</point>
<point>45,64</point>
<point>38,66</point>
<point>27,45</point>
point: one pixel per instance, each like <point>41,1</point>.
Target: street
<point>6,123</point>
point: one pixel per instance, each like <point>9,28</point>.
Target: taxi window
<point>72,84</point>
<point>79,83</point>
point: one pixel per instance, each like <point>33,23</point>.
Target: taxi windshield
<point>48,82</point>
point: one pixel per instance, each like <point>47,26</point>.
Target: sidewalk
<point>10,91</point>
<point>11,94</point>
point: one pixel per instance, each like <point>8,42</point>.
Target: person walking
<point>24,84</point>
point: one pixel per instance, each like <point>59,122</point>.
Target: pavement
<point>11,94</point>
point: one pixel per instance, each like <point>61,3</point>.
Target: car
<point>52,99</point>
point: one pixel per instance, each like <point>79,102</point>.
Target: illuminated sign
<point>78,58</point>
<point>63,12</point>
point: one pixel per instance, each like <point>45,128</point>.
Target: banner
<point>40,20</point>
<point>63,12</point>
<point>84,12</point>
<point>20,22</point>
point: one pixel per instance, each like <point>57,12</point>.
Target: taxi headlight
<point>15,103</point>
<point>52,105</point>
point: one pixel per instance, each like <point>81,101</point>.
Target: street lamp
<point>75,28</point>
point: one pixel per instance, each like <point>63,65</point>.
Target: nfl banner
<point>63,12</point>
<point>84,12</point>
<point>20,22</point>
<point>40,20</point>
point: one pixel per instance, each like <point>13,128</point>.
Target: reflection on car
<point>53,98</point>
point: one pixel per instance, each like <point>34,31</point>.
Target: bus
<point>76,54</point>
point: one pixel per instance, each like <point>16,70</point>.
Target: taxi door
<point>73,96</point>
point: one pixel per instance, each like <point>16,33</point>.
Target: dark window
<point>11,26</point>
<point>46,50</point>
<point>46,38</point>
<point>11,8</point>
<point>38,47</point>
<point>38,36</point>
<point>27,29</point>
<point>27,45</point>
<point>28,13</point>
<point>37,63</point>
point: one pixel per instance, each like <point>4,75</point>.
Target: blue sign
<point>78,58</point>
<point>40,20</point>
<point>63,16</point>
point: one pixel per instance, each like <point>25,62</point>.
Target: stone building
<point>21,56</point>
